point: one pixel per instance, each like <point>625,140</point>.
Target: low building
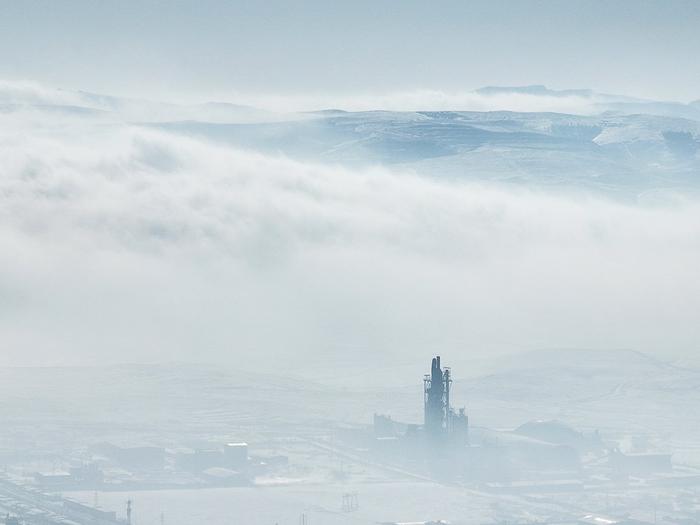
<point>133,458</point>
<point>639,464</point>
<point>236,455</point>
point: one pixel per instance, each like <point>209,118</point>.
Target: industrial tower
<point>441,421</point>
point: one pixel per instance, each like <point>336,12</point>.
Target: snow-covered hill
<point>615,144</point>
<point>616,153</point>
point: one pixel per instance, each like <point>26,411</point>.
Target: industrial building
<point>441,423</point>
<point>640,465</point>
<point>442,426</point>
<point>142,458</point>
<point>440,443</point>
<point>445,447</point>
<point>24,505</point>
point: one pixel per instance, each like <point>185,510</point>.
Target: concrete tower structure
<point>436,396</point>
<point>440,420</point>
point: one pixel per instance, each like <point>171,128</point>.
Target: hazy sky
<point>213,49</point>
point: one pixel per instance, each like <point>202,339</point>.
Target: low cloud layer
<point>120,243</point>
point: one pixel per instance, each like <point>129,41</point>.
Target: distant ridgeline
<point>620,154</point>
